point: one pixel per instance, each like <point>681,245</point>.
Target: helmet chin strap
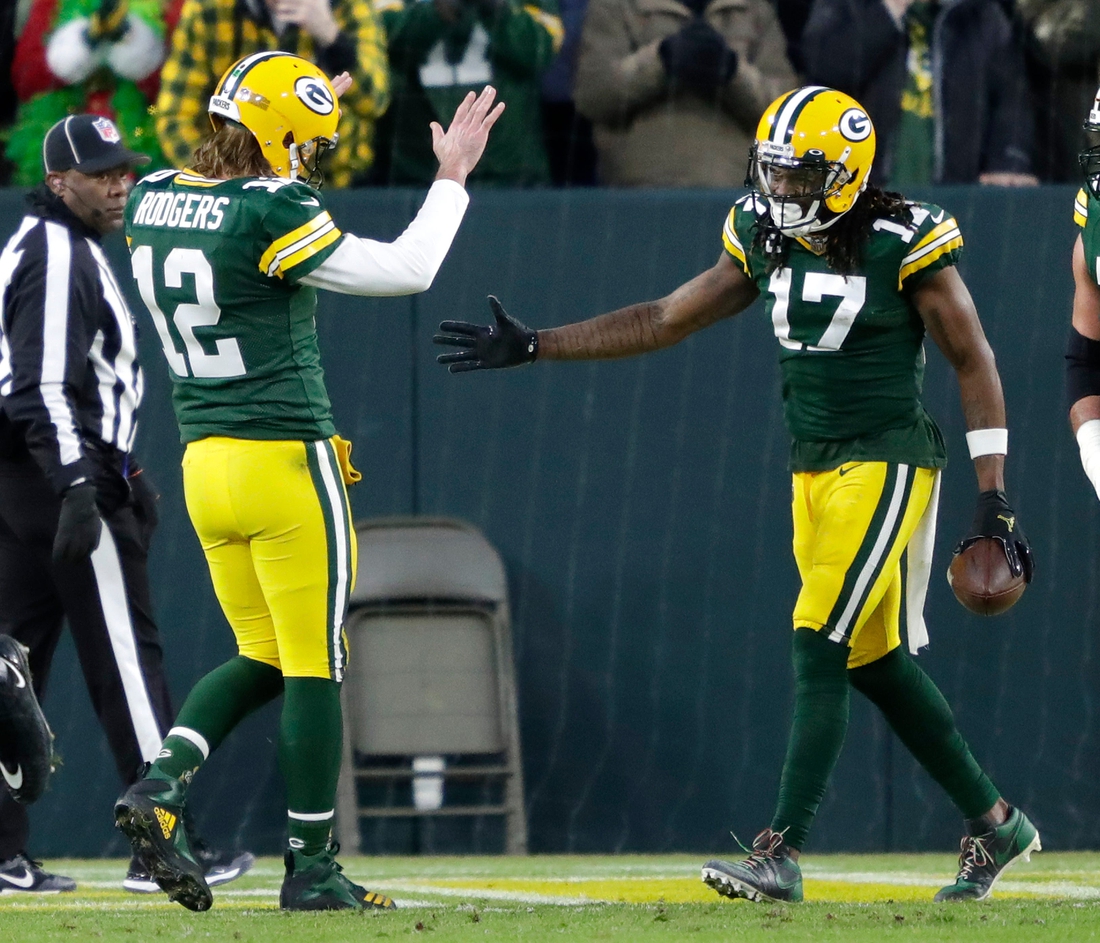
<point>295,161</point>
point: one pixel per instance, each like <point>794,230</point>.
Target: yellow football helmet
<point>1090,158</point>
<point>813,151</point>
<point>287,103</point>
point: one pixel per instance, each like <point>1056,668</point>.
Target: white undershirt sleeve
<point>405,266</point>
<point>1088,440</point>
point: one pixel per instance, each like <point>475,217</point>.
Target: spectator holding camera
<point>440,50</point>
<point>675,89</point>
<point>944,81</point>
<point>339,35</point>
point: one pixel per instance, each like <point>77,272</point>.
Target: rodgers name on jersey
<point>851,347</point>
<point>218,264</point>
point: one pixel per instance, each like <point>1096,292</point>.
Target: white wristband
<point>987,442</point>
<point>1088,440</point>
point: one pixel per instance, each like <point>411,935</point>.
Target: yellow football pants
<point>274,522</point>
<point>851,526</point>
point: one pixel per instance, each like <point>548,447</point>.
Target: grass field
<point>630,897</point>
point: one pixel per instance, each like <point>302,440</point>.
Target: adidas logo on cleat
<point>166,819</point>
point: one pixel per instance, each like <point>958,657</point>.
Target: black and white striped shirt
<point>69,374</point>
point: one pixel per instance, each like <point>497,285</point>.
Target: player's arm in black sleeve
<point>948,312</point>
<point>1083,365</point>
<point>49,344</point>
<point>720,292</point>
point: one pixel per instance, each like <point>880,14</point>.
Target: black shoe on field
<point>984,858</point>
<point>150,813</point>
<point>317,882</point>
<point>768,873</point>
<point>26,742</point>
<point>219,867</point>
<point>23,875</point>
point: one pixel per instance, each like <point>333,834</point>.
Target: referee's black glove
<point>504,344</point>
<point>995,518</point>
<point>78,526</point>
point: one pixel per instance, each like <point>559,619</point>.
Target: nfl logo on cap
<point>89,144</point>
<point>107,130</point>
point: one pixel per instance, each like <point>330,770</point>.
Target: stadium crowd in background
<point>674,90</point>
<point>1063,62</point>
<point>213,34</point>
<point>673,87</point>
<point>944,82</point>
<point>439,51</point>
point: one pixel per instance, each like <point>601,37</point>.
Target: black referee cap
<point>87,143</point>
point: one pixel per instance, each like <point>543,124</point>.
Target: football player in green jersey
<point>1083,352</point>
<point>228,255</point>
<point>853,279</point>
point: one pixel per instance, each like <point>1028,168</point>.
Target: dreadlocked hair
<point>844,241</point>
<point>231,151</point>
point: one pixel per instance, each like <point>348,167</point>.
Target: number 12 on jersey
<point>188,316</point>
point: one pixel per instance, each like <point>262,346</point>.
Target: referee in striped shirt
<point>75,513</point>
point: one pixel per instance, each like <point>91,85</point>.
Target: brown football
<point>982,580</point>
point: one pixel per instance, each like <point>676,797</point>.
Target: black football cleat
<point>150,813</point>
<point>317,882</point>
<point>26,741</point>
<point>23,875</point>
<point>768,873</point>
<point>219,867</point>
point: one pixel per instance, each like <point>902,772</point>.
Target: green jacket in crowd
<point>440,50</point>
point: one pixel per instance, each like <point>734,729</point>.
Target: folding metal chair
<point>430,689</point>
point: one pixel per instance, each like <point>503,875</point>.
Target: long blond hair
<point>231,151</point>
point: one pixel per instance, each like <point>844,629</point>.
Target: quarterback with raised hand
<point>227,256</point>
<point>854,279</point>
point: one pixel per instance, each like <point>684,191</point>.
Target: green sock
<point>216,704</point>
<point>817,731</point>
<point>922,719</point>
<point>310,750</point>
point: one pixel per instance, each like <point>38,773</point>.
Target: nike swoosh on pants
<point>14,780</point>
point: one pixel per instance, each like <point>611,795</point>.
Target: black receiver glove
<point>504,344</point>
<point>698,56</point>
<point>78,526</point>
<point>995,518</point>
<point>145,498</point>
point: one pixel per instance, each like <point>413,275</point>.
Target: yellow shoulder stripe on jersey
<point>732,243</point>
<point>552,24</point>
<point>273,261</point>
<point>189,178</point>
<point>1081,208</point>
<point>322,241</point>
<point>941,240</point>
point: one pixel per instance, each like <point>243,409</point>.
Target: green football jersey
<point>218,265</point>
<point>1086,213</point>
<point>851,347</point>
